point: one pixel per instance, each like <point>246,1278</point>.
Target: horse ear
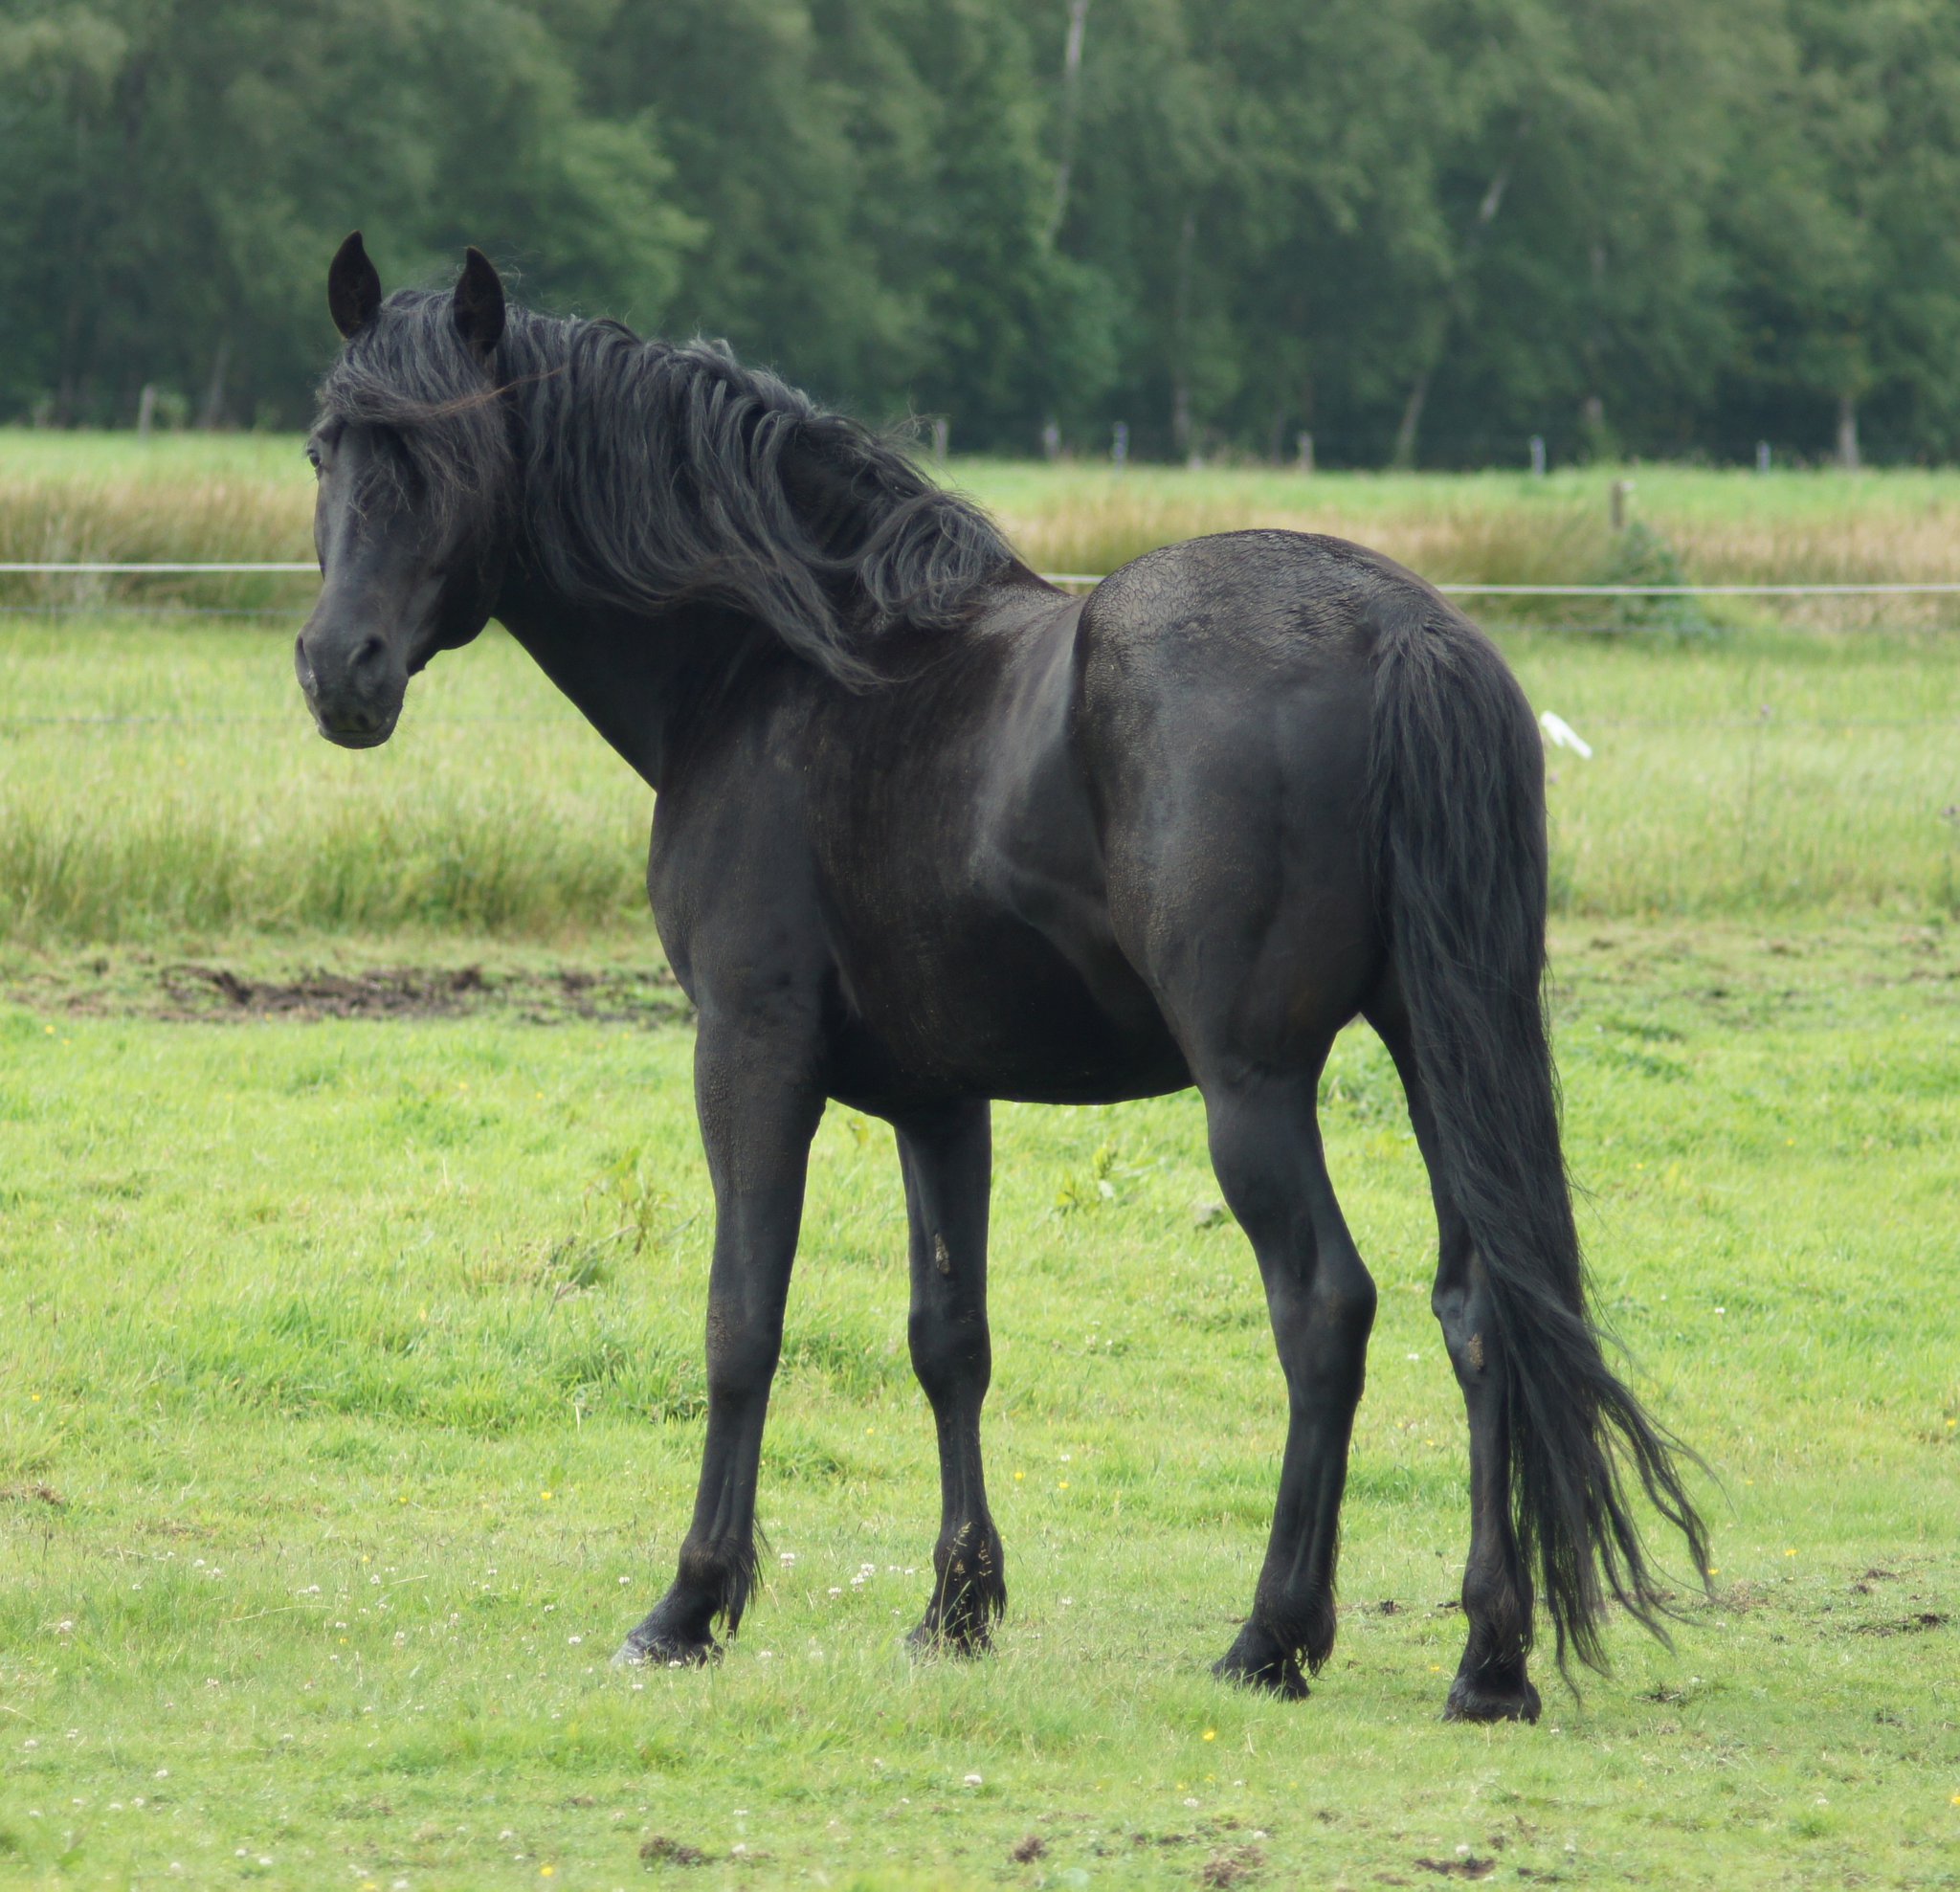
<point>353,287</point>
<point>478,306</point>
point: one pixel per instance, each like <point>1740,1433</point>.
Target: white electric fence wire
<point>1940,590</point>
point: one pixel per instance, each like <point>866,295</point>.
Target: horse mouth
<point>357,739</point>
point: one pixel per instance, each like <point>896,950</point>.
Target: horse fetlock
<point>1497,1599</point>
<point>968,1592</point>
<point>969,1581</point>
<point>1260,1659</point>
<point>714,1580</point>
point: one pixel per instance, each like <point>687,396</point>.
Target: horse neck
<point>646,684</point>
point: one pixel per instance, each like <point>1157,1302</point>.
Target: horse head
<point>413,468</point>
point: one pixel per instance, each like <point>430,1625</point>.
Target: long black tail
<point>1457,808</point>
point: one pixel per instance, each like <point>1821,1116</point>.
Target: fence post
<point>1762,456</point>
<point>1538,456</point>
<point>942,435</point>
<point>1119,442</point>
<point>1303,443</point>
<point>146,410</point>
<point>1051,441</point>
<point>1616,502</point>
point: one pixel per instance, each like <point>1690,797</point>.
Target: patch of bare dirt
<point>1232,1868</point>
<point>661,1850</point>
<point>614,996</point>
<point>32,1494</point>
<point>1913,1625</point>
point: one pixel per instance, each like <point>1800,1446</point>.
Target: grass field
<point>353,1244</point>
<point>159,779</point>
<point>350,1415</point>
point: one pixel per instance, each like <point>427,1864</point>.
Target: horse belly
<point>1001,1011</point>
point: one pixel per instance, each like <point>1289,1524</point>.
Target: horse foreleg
<point>1267,1148</point>
<point>947,1159</point>
<point>756,1126</point>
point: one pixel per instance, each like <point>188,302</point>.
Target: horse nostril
<point>368,652</point>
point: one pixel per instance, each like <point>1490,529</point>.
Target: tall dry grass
<point>129,519</point>
<point>1489,531</point>
<point>72,497</point>
<point>1097,528</point>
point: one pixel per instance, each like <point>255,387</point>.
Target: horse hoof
<point>1474,1699</point>
<point>964,1641</point>
<point>649,1648</point>
<point>1263,1666</point>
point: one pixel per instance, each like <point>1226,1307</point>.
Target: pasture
<point>351,1405</point>
<point>161,780</point>
<point>355,1246</point>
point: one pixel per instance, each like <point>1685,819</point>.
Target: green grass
<point>186,457</point>
<point>355,1365</point>
<point>164,780</point>
<point>349,1414</point>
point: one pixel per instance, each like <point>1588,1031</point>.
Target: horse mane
<point>644,475</point>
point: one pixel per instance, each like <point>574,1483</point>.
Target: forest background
<point>1422,229</point>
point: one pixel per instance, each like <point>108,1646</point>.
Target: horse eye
<point>313,455</point>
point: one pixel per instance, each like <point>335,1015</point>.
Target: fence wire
<point>1911,588</point>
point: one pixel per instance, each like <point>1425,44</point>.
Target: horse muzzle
<point>353,688</point>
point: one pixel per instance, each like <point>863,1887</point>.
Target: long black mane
<point>644,475</point>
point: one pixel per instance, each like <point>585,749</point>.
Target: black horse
<point>930,833</point>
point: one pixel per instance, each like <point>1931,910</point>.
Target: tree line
<point>1419,231</point>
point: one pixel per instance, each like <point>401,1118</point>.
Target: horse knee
<point>949,1356</point>
<point>741,1358</point>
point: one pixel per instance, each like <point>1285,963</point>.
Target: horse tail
<point>1456,822</point>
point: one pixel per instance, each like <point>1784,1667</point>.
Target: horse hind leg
<point>1266,1150</point>
<point>1491,1683</point>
